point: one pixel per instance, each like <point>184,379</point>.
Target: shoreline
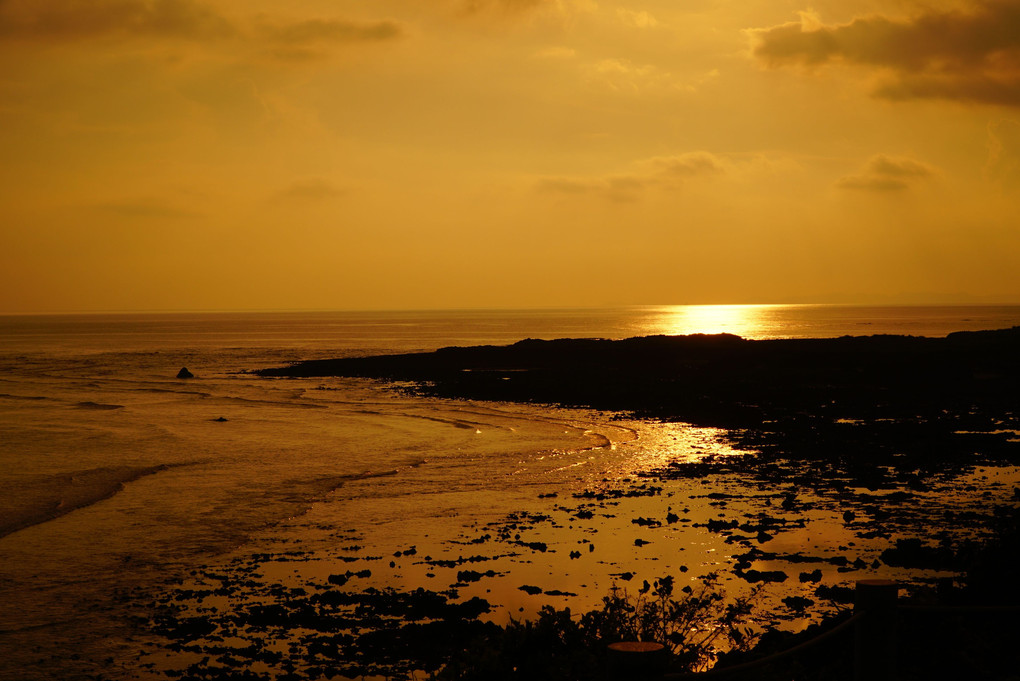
<point>893,491</point>
<point>878,411</point>
<point>260,470</point>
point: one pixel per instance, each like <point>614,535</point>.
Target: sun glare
<point>747,321</point>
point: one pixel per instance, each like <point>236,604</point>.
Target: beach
<point>156,513</point>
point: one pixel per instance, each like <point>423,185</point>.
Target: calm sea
<point>115,475</point>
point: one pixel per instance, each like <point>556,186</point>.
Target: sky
<point>399,154</point>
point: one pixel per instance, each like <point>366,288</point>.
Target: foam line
<point>45,498</point>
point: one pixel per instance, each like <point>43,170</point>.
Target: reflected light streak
<point>747,321</point>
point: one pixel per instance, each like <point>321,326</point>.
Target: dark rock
<point>473,575</point>
<point>755,576</point>
<point>814,577</point>
<point>797,603</point>
<point>184,373</point>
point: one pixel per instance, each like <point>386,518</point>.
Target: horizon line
<point>497,308</point>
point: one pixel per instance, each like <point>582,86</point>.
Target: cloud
<point>1003,164</point>
<point>69,20</point>
<point>58,21</point>
<point>513,6</point>
<point>685,165</point>
<point>311,39</point>
<point>969,56</point>
<point>558,11</point>
<point>635,19</point>
<point>662,171</point>
<point>888,173</point>
<point>322,31</point>
<point>624,76</point>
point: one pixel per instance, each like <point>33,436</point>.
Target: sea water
<point>115,475</point>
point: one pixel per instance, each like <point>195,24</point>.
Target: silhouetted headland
<point>716,379</point>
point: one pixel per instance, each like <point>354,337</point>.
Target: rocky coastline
<point>880,432</point>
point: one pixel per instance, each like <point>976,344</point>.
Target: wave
<point>276,403</point>
<point>27,398</point>
<point>199,393</point>
<point>35,501</point>
<point>601,441</point>
<point>98,406</point>
<point>456,423</point>
<point>309,490</point>
<point>462,424</point>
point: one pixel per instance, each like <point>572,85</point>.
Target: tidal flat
<point>821,462</point>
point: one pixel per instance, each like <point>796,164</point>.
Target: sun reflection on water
<point>747,321</point>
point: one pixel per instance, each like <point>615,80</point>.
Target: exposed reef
<point>719,379</point>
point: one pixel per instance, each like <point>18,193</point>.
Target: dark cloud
<point>321,31</point>
<point>312,39</point>
<point>887,173</point>
<point>58,21</point>
<point>63,20</point>
<point>971,55</point>
<point>472,6</point>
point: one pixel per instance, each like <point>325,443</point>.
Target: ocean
<point>118,479</point>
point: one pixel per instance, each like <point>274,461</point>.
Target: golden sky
<point>328,154</point>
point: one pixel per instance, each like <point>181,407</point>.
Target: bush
<point>695,626</point>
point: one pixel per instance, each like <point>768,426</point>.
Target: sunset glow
<point>742,320</point>
<point>399,154</point>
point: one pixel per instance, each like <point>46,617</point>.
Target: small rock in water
<point>184,373</point>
